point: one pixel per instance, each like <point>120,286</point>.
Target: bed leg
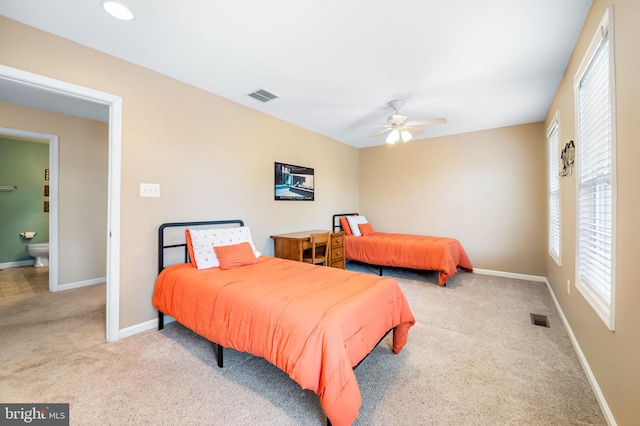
<point>381,271</point>
<point>217,350</point>
<point>160,320</point>
<point>328,422</point>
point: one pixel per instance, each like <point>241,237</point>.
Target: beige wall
<point>82,187</point>
<point>212,158</point>
<point>614,357</point>
<point>487,189</point>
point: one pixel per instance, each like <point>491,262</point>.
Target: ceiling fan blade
<point>441,120</point>
<point>413,130</point>
<point>372,126</point>
<point>401,129</point>
<point>388,129</point>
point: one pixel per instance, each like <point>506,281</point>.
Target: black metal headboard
<point>336,220</point>
<point>162,247</point>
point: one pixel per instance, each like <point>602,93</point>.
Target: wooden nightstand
<point>337,250</point>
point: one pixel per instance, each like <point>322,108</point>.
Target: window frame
<point>553,171</point>
<point>605,309</point>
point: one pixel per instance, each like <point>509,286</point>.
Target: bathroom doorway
<point>35,90</point>
<point>52,141</point>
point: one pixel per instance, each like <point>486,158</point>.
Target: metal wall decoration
<point>567,156</point>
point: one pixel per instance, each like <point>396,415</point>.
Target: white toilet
<point>41,252</point>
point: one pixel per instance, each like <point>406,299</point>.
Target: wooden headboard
<point>171,236</point>
<point>335,223</point>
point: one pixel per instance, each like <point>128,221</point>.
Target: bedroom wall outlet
<point>149,189</point>
<point>568,286</point>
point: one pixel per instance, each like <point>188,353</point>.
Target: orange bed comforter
<point>409,251</point>
<point>313,322</point>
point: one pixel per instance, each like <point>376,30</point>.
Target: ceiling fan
<point>399,128</point>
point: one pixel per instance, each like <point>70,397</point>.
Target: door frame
<point>114,103</point>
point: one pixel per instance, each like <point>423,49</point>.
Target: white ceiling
<point>335,64</point>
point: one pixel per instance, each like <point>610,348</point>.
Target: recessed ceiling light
<point>117,10</point>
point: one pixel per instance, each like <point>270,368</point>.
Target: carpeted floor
<point>39,328</point>
<point>473,358</point>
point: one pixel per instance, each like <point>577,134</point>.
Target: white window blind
<point>596,180</point>
<point>554,192</point>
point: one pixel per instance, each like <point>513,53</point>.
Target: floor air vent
<point>541,320</point>
<point>263,96</point>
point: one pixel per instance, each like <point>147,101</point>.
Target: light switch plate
<point>149,189</point>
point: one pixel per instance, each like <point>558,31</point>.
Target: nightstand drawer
<point>337,254</point>
<point>337,251</point>
<point>338,264</point>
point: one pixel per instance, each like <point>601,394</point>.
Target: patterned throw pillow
<point>354,221</point>
<point>203,241</point>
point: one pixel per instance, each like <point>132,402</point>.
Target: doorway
<point>37,89</point>
<point>52,140</point>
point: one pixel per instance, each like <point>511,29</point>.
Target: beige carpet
<point>473,358</point>
<point>39,328</point>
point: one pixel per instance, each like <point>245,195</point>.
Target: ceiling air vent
<point>262,95</point>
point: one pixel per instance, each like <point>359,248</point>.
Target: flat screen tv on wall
<point>293,182</point>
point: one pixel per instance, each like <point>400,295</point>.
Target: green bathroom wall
<point>22,164</point>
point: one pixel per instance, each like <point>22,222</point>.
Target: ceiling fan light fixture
<point>393,137</point>
<point>117,10</point>
<point>400,128</point>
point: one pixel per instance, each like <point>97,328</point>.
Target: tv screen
<point>293,182</point>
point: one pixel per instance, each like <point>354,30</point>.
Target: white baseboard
<point>138,328</point>
<point>78,284</point>
<point>16,264</point>
<point>144,326</point>
<point>606,411</point>
<point>510,275</point>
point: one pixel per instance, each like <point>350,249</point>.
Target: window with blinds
<point>596,175</point>
<point>554,191</point>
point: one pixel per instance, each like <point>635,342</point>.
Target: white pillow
<point>354,221</point>
<point>203,241</point>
